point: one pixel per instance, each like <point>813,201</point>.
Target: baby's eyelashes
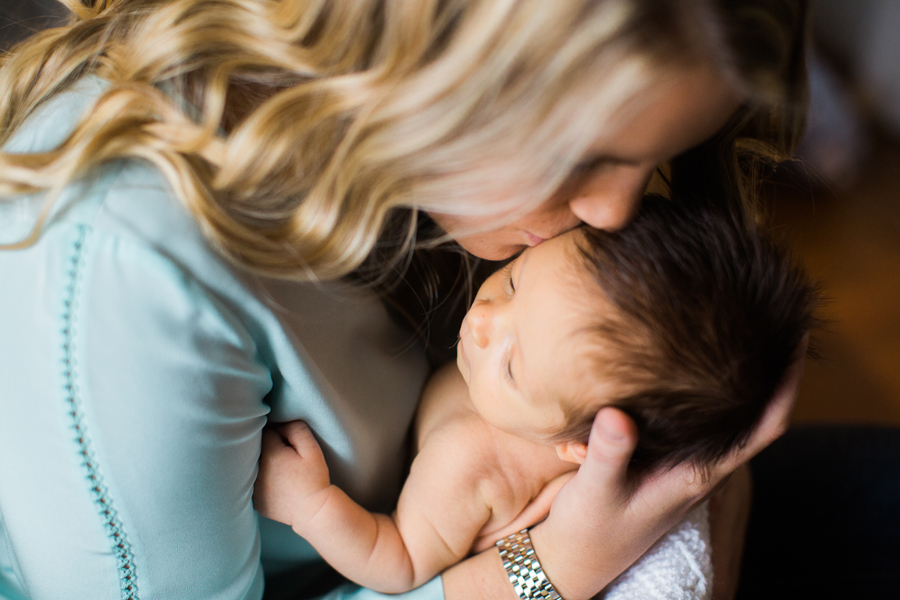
<point>508,278</point>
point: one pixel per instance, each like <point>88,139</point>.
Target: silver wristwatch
<point>524,569</point>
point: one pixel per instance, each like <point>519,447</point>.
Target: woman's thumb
<point>612,441</point>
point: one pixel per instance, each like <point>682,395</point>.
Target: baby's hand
<point>293,478</point>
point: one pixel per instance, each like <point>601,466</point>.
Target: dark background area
<point>19,18</point>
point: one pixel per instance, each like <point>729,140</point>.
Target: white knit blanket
<point>677,567</point>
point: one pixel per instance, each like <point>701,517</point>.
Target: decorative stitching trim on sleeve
<point>121,548</point>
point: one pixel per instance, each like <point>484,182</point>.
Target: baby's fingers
<point>298,435</point>
<point>272,442</point>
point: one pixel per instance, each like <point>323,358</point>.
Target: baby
<point>686,320</point>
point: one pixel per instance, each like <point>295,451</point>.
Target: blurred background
<point>838,205</point>
<point>839,208</point>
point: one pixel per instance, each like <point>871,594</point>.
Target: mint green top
<point>137,370</point>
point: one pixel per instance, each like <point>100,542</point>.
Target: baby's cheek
<point>461,365</point>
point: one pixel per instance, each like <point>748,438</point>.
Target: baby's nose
<point>480,323</point>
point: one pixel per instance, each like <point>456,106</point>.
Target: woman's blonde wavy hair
<point>295,129</point>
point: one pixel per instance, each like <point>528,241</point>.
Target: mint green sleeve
<point>137,370</point>
<point>133,404</point>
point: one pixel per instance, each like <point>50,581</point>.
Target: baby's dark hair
<point>707,316</point>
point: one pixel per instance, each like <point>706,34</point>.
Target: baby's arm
<point>439,513</point>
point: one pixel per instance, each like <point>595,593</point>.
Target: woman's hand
<point>293,476</point>
<point>600,523</point>
<point>729,513</point>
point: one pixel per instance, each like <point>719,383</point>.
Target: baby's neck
<point>446,404</point>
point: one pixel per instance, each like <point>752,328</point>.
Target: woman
<point>183,176</point>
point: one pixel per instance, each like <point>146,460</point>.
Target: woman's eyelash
<point>581,171</point>
<point>589,165</point>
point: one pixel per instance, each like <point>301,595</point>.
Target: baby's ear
<point>574,452</point>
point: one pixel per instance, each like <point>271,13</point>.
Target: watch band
<point>524,569</point>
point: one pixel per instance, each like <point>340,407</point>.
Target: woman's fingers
<point>602,520</point>
<point>612,440</point>
<point>591,513</point>
<point>775,419</point>
<point>685,485</point>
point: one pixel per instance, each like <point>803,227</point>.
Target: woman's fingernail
<point>611,433</point>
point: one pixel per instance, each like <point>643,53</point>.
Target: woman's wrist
<point>729,514</point>
<point>572,578</point>
<point>523,568</point>
<point>480,577</point>
<point>483,576</point>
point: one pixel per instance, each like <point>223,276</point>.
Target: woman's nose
<point>480,318</point>
<point>612,201</point>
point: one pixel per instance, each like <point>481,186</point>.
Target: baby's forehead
<point>563,326</point>
<point>574,347</point>
<point>583,300</point>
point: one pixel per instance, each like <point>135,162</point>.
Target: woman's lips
<point>533,240</point>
